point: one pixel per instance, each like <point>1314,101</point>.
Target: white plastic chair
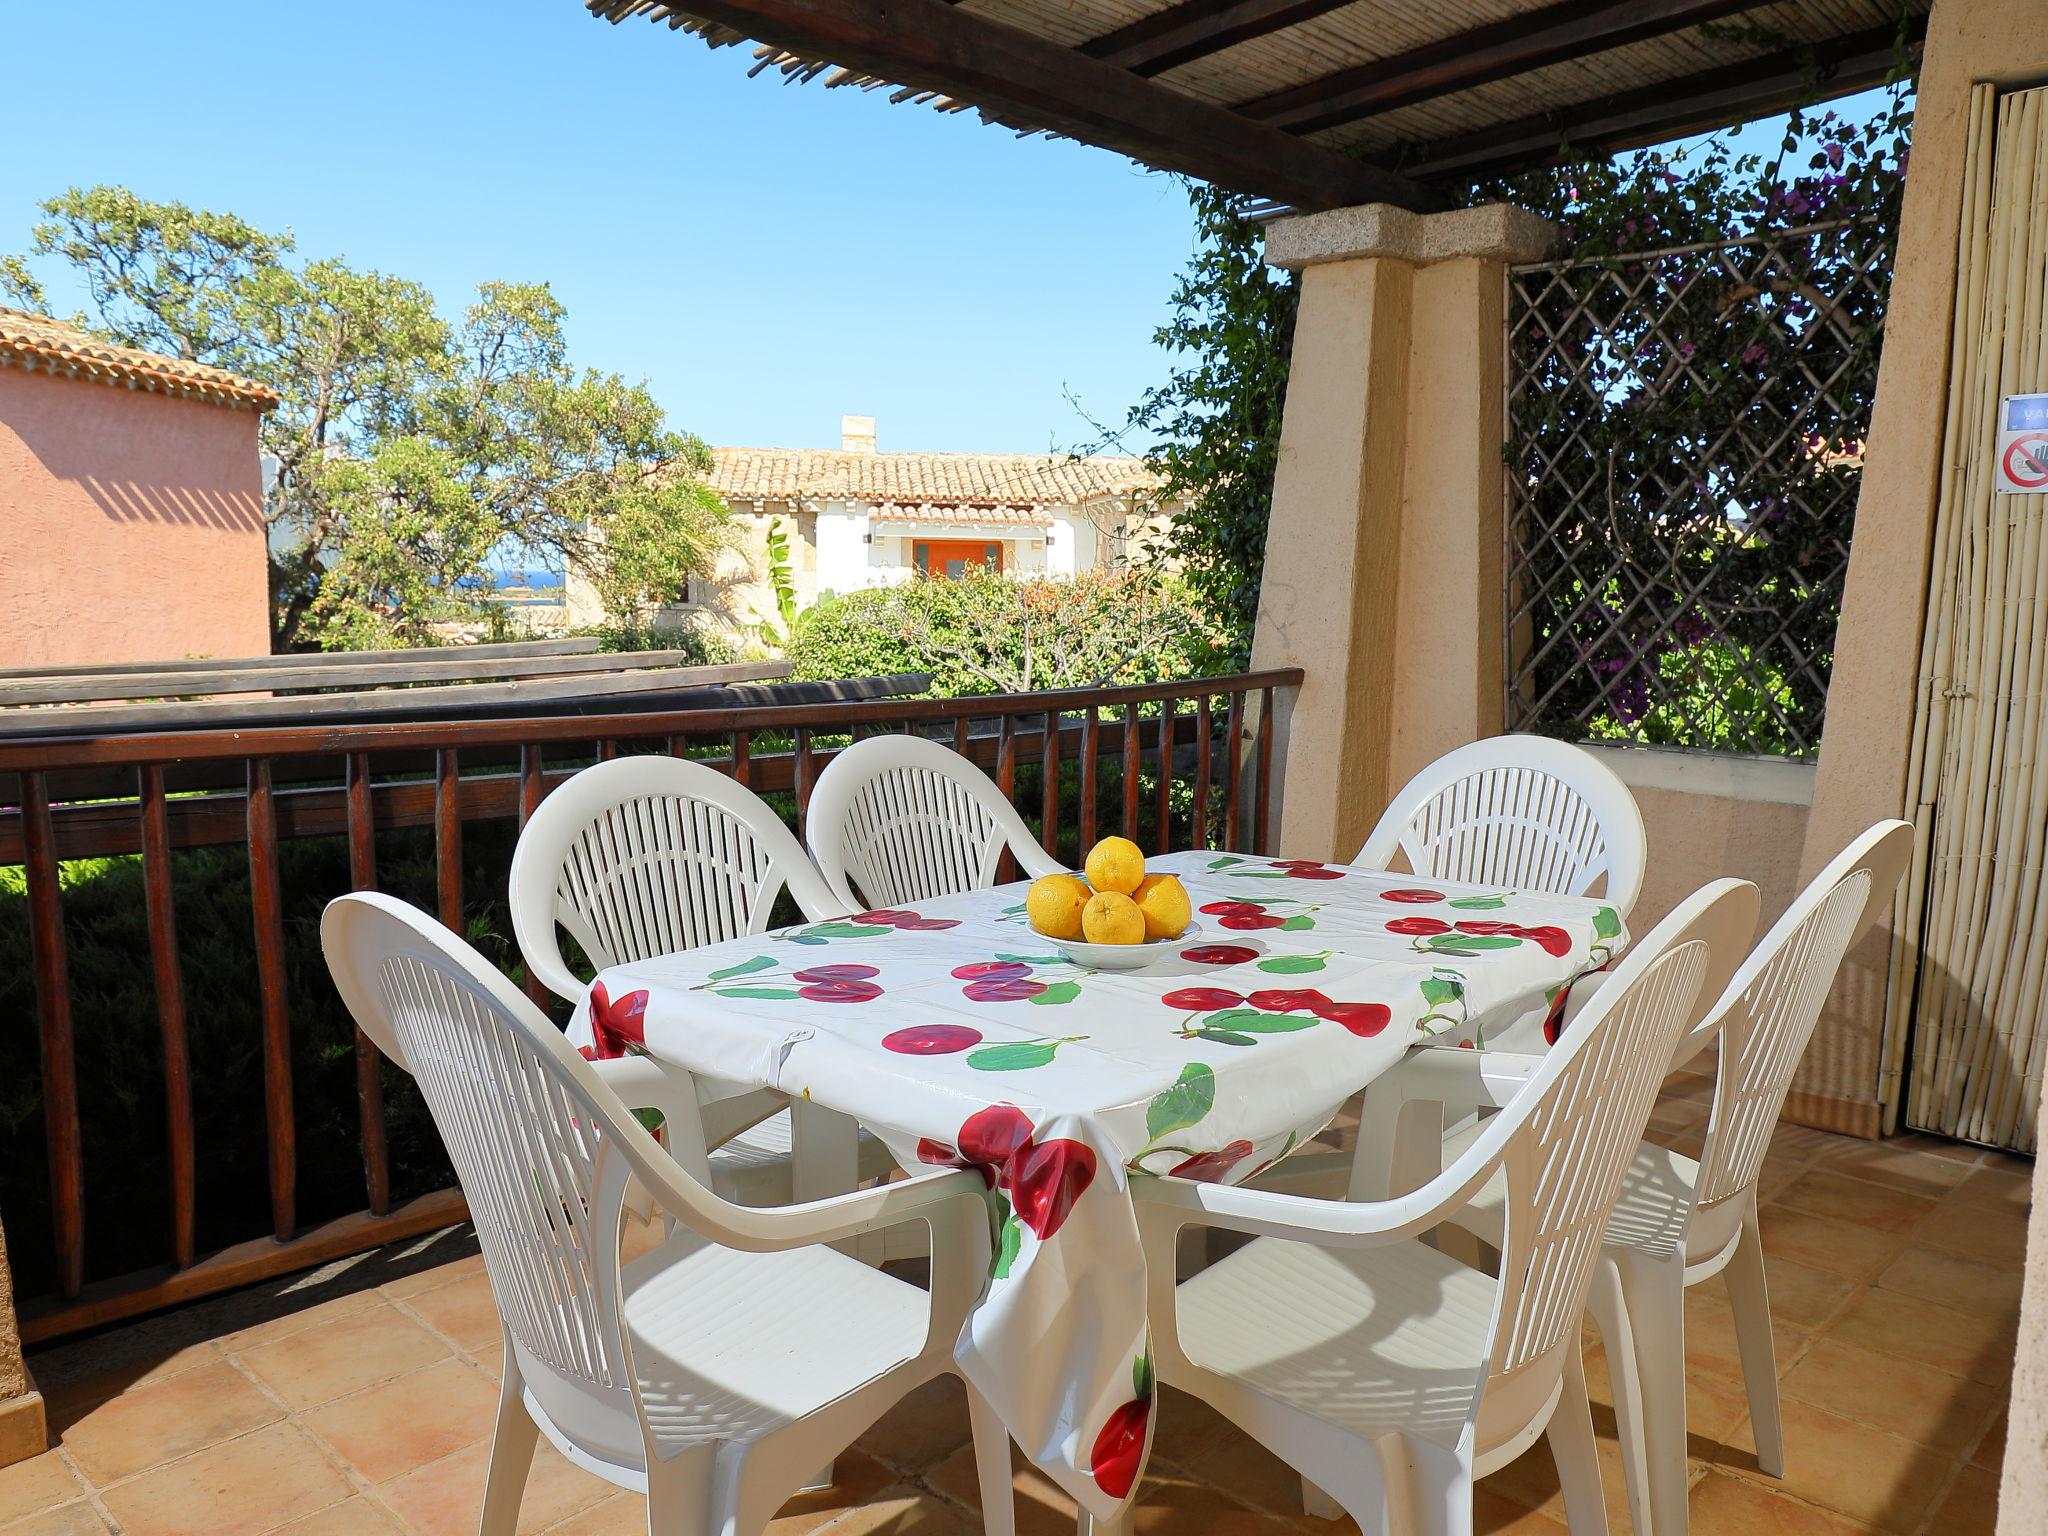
<point>647,856</point>
<point>895,820</point>
<point>1388,1374</point>
<point>1519,811</point>
<point>713,1373</point>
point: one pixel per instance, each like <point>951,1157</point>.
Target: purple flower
<point>1834,154</point>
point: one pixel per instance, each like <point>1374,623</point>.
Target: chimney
<point>857,434</point>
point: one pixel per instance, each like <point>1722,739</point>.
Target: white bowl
<point>1119,957</point>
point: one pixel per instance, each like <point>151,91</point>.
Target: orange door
<point>956,557</point>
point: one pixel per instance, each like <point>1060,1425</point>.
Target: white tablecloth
<point>962,1038</point>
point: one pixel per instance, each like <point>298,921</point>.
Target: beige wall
<point>131,526</point>
<point>1875,689</point>
<point>1383,555</point>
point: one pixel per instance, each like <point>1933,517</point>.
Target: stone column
<point>1383,558</point>
<point>23,1429</point>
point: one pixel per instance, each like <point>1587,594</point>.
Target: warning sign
<point>2023,445</point>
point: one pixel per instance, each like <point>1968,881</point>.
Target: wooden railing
<point>1206,745</point>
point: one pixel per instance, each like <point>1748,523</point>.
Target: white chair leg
<point>1617,1337</point>
<point>681,1491</point>
<point>1429,1488</point>
<point>1318,1503</point>
<point>992,1465</point>
<point>1088,1525</point>
<point>1749,1295</point>
<point>1578,1460</point>
<point>1653,1294</point>
<point>512,1445</point>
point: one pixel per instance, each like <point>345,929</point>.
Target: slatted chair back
<point>543,1152</point>
<point>1769,1010</point>
<point>645,856</point>
<point>1523,812</point>
<point>1570,1135</point>
<point>896,820</point>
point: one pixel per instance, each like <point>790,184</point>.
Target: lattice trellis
<point>1685,446</point>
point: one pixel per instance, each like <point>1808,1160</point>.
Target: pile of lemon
<point>1118,903</point>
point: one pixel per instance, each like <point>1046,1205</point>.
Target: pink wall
<point>131,525</point>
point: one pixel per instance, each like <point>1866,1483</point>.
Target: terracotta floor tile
<point>1721,1505</point>
<point>148,1426</point>
<point>288,1323</point>
<point>856,1478</point>
<point>1710,1343</point>
<point>344,1355</point>
<point>1852,1469</point>
<point>1928,1274</point>
<point>1916,1402</point>
<point>36,1484</point>
<point>1990,1451</point>
<point>405,1423</point>
<point>243,1488</point>
<point>65,1400</point>
<point>1802,1296</point>
<point>1530,1480</point>
<point>901,1510</point>
<point>72,1520</point>
<point>1800,1141</point>
<point>444,1497</point>
<point>623,1514</point>
<point>1819,1242</point>
<point>1823,1193</point>
<point>1879,1162</point>
<point>1970,1508</point>
<point>925,1427</point>
<point>1237,1465</point>
<point>1985,1233</point>
<point>1173,1504</point>
<point>352,1517</point>
<point>1493,1515</point>
<point>464,1311</point>
<point>431,1279</point>
<point>1042,1508</point>
<point>1960,1343</point>
<point>2009,1189</point>
<point>1715,1405</point>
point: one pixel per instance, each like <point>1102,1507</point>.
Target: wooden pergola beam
<point>1573,29</point>
<point>929,45</point>
<point>1671,109</point>
<point>1194,29</point>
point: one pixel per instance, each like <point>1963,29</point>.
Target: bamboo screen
<point>1980,738</point>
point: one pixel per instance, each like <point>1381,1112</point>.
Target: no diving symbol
<point>2025,462</point>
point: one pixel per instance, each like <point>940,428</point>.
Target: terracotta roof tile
<point>927,483</point>
<point>38,343</point>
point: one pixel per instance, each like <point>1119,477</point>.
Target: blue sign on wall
<point>2025,413</point>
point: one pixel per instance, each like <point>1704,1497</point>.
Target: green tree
<point>411,454</point>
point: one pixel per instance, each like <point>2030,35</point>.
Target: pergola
<point>1324,103</point>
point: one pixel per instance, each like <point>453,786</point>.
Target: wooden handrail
<point>335,787</point>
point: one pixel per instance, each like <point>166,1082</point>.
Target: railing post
<point>266,900</point>
<point>159,905</point>
<point>362,876</point>
<point>53,1021</point>
<point>448,838</point>
<point>1049,808</point>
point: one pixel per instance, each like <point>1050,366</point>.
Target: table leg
<point>825,1161</point>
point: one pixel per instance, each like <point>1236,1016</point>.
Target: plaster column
<point>1874,693</point>
<point>1383,556</point>
<point>24,1431</point>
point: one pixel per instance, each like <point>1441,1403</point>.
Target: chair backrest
<point>1566,1139</point>
<point>1767,1014</point>
<point>896,820</point>
<point>644,856</point>
<point>544,1151</point>
<point>1519,811</point>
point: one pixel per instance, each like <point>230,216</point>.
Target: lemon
<point>1164,902</point>
<point>1112,918</point>
<point>1053,905</point>
<point>1115,864</point>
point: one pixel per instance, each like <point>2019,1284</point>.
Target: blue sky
<point>767,256</point>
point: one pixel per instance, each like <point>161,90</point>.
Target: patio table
<point>962,1038</point>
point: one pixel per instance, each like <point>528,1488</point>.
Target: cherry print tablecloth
<point>962,1038</point>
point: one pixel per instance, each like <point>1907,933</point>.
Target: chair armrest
<point>922,1198</point>
<point>641,1082</point>
<point>1326,1223</point>
<point>1453,1076</point>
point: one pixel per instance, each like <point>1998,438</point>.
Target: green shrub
<point>987,633</point>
